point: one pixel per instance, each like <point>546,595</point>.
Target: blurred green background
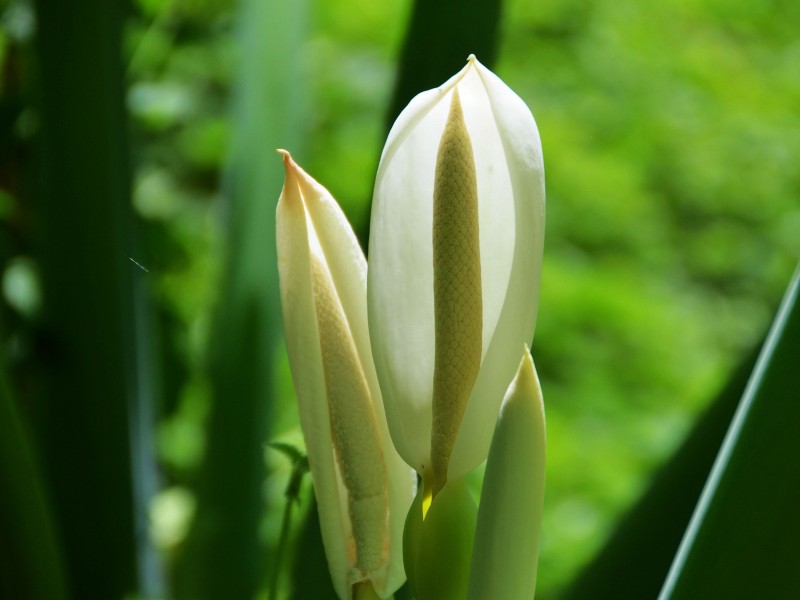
<point>671,133</point>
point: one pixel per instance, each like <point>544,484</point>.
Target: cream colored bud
<point>362,486</point>
<point>456,244</point>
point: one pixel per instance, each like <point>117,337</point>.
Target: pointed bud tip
<point>288,161</point>
<point>526,382</point>
<point>526,369</point>
<point>307,189</point>
<point>291,189</point>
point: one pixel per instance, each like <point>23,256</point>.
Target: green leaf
<point>300,467</point>
<point>293,453</point>
<point>310,578</point>
<point>742,539</point>
<point>635,560</point>
<point>225,557</point>
<point>30,566</point>
<point>441,35</point>
<point>89,379</point>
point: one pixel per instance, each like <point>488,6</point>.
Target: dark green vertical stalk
<point>311,579</point>
<point>87,352</point>
<point>225,557</point>
<point>30,566</point>
<point>441,35</point>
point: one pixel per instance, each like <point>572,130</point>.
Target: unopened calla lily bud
<point>455,261</point>
<point>506,548</point>
<point>363,487</point>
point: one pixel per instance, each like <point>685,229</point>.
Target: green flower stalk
<point>362,486</point>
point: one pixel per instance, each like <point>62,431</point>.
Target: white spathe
<point>363,487</point>
<point>510,178</point>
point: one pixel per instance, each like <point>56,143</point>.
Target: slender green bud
<point>510,518</point>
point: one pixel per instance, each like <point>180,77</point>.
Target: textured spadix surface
<point>363,488</point>
<point>509,178</point>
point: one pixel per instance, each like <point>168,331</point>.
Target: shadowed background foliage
<point>144,369</point>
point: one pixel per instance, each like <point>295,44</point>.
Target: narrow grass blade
<point>225,557</point>
<point>635,560</point>
<point>742,539</point>
<point>311,579</point>
<point>30,565</point>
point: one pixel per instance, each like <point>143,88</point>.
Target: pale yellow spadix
<point>445,361</point>
<point>362,486</point>
<point>457,302</point>
<point>506,547</point>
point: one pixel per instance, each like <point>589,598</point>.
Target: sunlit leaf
<point>742,539</point>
